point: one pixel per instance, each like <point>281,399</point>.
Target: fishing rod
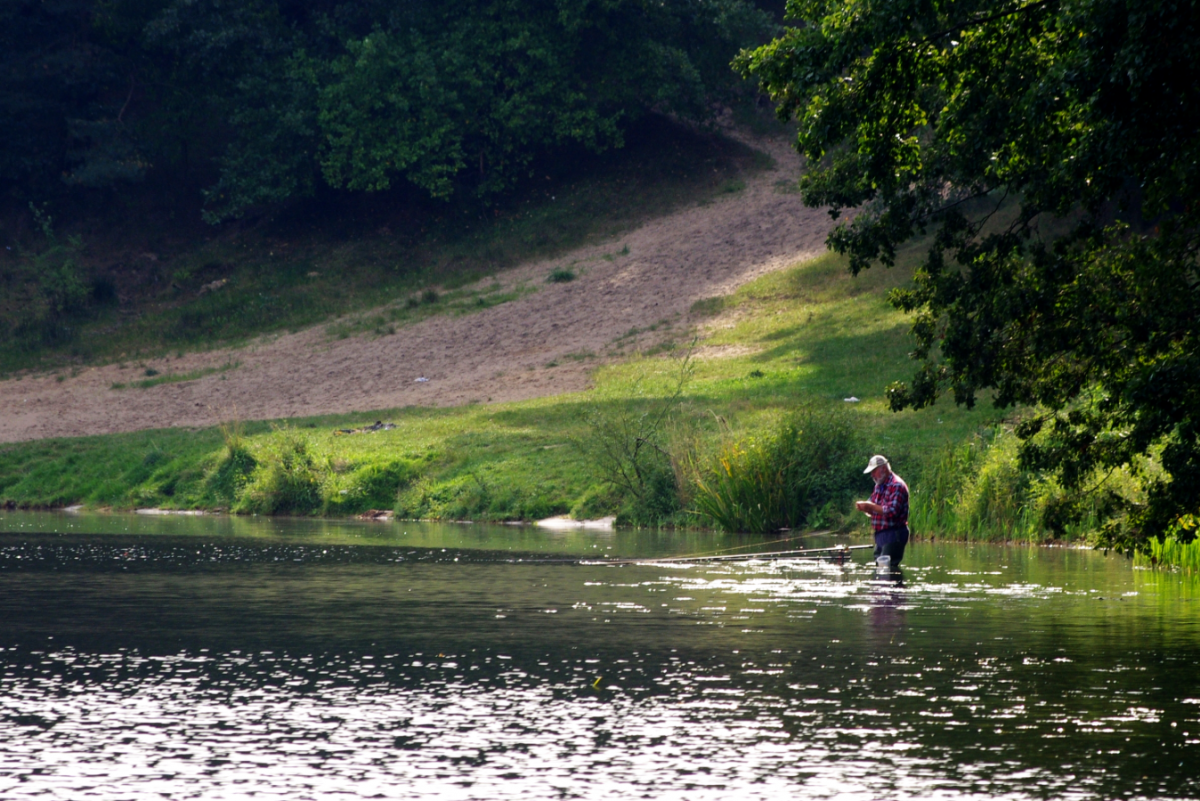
<point>832,552</point>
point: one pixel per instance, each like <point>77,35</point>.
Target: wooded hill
<point>271,99</point>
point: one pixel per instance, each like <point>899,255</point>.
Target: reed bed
<point>1172,551</point>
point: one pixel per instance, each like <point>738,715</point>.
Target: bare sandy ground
<point>496,355</point>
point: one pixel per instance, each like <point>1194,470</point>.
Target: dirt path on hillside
<point>500,354</point>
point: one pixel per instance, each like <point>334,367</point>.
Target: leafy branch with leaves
<point>1051,149</point>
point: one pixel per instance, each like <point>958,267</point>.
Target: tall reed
<point>1172,550</point>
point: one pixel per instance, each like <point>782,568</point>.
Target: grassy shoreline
<point>809,340</point>
<point>809,336</point>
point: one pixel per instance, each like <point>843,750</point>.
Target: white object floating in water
<point>851,399</point>
<point>422,380</point>
<point>563,522</point>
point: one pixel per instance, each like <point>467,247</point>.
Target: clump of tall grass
<point>474,497</point>
<point>994,500</point>
<point>800,474</point>
<point>235,465</point>
<point>287,480</point>
<point>348,488</point>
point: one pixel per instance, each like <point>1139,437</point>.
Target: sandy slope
<point>499,354</point>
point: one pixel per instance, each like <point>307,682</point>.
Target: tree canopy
<point>284,95</point>
<point>1049,150</point>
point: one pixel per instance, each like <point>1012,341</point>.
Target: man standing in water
<point>888,510</point>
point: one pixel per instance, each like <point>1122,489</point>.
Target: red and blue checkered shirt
<point>892,495</point>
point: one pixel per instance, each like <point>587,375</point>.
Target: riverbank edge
<point>855,533</point>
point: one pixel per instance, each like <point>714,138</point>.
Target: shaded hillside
<point>154,279</point>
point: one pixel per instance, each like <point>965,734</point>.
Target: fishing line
<point>720,555</point>
<point>781,541</point>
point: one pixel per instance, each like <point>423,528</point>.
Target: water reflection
<point>304,665</point>
<point>254,531</point>
<point>887,612</point>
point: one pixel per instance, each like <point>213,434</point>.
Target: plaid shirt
<point>892,495</point>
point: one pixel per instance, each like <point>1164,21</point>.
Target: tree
<point>60,98</point>
<point>282,95</point>
<point>475,91</point>
<point>1051,148</point>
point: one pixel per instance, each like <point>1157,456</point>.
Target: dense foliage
<point>1081,298</point>
<point>284,95</point>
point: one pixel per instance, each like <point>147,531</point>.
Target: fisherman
<point>888,510</point>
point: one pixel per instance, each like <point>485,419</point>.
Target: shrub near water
<point>800,474</point>
<point>995,497</point>
<point>234,469</point>
<point>979,490</point>
<point>288,474</point>
<point>630,450</point>
<point>368,487</point>
<point>287,480</point>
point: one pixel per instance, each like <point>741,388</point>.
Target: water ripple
<point>132,670</point>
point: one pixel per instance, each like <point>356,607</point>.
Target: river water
<point>210,658</point>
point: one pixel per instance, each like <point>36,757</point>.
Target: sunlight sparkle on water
<point>315,666</point>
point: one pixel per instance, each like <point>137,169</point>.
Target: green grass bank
<point>786,350</point>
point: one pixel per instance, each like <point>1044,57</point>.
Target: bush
<point>287,480</point>
<point>598,501</point>
<point>659,500</point>
<point>980,490</point>
<point>996,497</point>
<point>470,497</point>
<point>235,466</point>
<point>50,290</point>
<point>227,481</point>
<point>627,445</point>
<point>803,473</point>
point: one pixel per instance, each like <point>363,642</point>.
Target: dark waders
<point>891,543</point>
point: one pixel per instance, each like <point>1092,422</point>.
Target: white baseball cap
<point>876,461</point>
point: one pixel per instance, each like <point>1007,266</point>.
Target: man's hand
<point>869,508</point>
